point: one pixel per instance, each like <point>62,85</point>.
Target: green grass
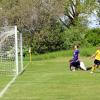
<point>85,52</point>
<point>4,79</point>
<point>51,80</point>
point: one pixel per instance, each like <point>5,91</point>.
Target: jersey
<point>75,55</point>
<point>97,57</point>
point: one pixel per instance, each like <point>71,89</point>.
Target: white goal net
<point>11,55</point>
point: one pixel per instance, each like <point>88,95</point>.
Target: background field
<point>51,80</point>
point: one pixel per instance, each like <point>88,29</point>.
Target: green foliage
<point>48,39</point>
<point>87,51</point>
<point>38,57</point>
<point>76,9</point>
<point>75,35</point>
<point>81,35</point>
<point>93,36</point>
<point>47,34</point>
<point>84,52</point>
<point>53,39</point>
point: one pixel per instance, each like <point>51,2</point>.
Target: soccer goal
<point>11,53</point>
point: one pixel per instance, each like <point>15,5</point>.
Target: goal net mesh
<point>9,63</point>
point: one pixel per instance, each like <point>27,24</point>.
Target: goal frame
<point>16,52</point>
<point>17,48</point>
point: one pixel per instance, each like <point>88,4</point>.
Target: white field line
<point>7,86</point>
<point>24,68</point>
<point>10,83</point>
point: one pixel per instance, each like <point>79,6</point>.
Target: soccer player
<point>97,60</point>
<point>74,62</point>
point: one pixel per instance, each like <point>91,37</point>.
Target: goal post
<point>11,51</point>
<point>16,50</point>
<point>21,50</point>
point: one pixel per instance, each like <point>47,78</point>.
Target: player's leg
<point>78,65</point>
<point>94,66</point>
<point>99,64</point>
<point>72,66</point>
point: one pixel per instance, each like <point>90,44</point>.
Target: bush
<point>93,36</point>
<point>84,52</point>
<point>84,37</point>
<point>75,35</point>
<point>88,51</point>
<point>48,40</point>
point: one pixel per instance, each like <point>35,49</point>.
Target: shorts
<point>97,62</point>
<point>75,64</point>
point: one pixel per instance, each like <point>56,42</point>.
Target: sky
<point>93,19</point>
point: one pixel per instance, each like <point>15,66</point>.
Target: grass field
<point>52,80</point>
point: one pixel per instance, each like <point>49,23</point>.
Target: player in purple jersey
<point>74,62</point>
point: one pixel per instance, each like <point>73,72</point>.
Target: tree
<point>98,13</point>
<point>93,36</point>
<point>78,10</point>
<point>40,18</point>
<point>49,39</point>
